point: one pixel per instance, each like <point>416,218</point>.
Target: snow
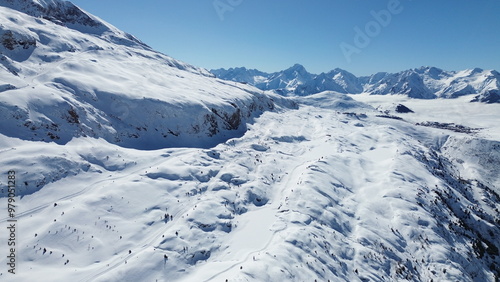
<point>98,85</point>
<point>458,111</point>
<point>422,83</point>
<point>252,236</point>
<point>303,193</point>
<point>244,185</point>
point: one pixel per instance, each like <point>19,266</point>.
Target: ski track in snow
<point>247,240</point>
<point>328,187</point>
<point>284,158</point>
<point>306,153</point>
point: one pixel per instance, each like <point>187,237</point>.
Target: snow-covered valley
<point>133,166</point>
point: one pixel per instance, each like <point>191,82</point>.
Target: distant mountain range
<point>423,83</point>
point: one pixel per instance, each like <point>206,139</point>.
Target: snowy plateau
<point>133,166</point>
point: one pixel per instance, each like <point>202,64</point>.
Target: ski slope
<point>328,192</point>
<point>133,166</point>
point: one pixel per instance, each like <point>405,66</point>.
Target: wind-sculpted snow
<point>475,158</point>
<point>132,166</point>
<point>314,193</point>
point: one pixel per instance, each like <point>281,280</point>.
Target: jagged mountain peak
<point>296,70</point>
<point>476,71</point>
<point>238,69</point>
<point>297,67</point>
<point>339,71</point>
<point>429,69</point>
<point>295,80</point>
<point>434,72</point>
<point>425,82</point>
<point>408,82</point>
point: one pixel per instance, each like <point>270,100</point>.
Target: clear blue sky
<point>272,35</point>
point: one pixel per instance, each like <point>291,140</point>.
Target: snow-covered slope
<point>331,191</point>
<point>65,73</point>
<point>66,14</point>
<point>132,166</point>
<point>422,83</point>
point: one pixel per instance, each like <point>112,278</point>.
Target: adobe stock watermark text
<point>224,6</point>
<point>11,222</point>
<point>363,36</point>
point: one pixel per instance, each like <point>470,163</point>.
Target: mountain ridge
<point>423,82</point>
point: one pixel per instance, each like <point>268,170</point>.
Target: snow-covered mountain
<point>431,82</point>
<point>250,76</point>
<point>423,83</point>
<point>295,80</point>
<point>129,165</point>
<point>65,73</point>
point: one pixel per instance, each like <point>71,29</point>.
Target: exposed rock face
<point>74,75</point>
<point>59,12</point>
<point>402,109</point>
<point>12,41</point>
